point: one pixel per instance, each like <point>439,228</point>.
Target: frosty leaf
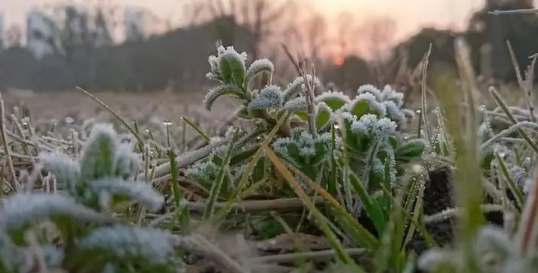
<point>411,150</point>
<point>389,94</point>
<point>65,169</point>
<point>243,113</point>
<point>98,154</point>
<point>295,105</point>
<point>366,103</point>
<point>269,97</point>
<point>258,67</point>
<point>495,243</point>
<point>437,258</point>
<point>393,112</point>
<point>409,114</point>
<point>232,67</point>
<point>323,116</point>
<point>203,171</point>
<point>302,149</point>
<point>219,91</point>
<point>129,243</point>
<point>335,100</point>
<point>112,191</point>
<point>298,85</point>
<point>370,89</point>
<point>126,162</point>
<point>22,208</point>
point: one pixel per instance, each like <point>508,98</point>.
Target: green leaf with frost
<point>411,151</point>
<point>335,100</point>
<point>98,154</point>
<point>295,105</point>
<point>323,116</point>
<point>257,68</point>
<point>295,88</point>
<point>409,114</point>
<point>269,97</point>
<point>370,89</point>
<point>126,162</point>
<point>143,247</point>
<point>21,209</point>
<point>389,94</point>
<point>111,192</point>
<point>63,167</point>
<point>242,112</point>
<point>366,103</point>
<point>219,91</point>
<point>393,112</point>
<point>232,67</point>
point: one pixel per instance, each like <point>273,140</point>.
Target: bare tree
<point>264,18</point>
<point>72,28</point>
<point>377,37</point>
<point>13,37</point>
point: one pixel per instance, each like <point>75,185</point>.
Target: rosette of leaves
<point>102,178</point>
<point>206,171</point>
<point>229,68</point>
<point>384,103</point>
<point>307,153</point>
<point>377,152</point>
<point>84,237</point>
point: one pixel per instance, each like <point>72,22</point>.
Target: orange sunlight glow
<point>339,61</point>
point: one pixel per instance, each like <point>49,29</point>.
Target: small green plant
<point>73,228</point>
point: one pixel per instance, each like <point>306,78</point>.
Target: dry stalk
<point>14,184</point>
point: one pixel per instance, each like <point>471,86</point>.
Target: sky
<point>409,14</point>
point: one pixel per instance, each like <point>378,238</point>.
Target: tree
<point>73,28</point>
<point>13,37</point>
<point>264,18</point>
<point>519,29</point>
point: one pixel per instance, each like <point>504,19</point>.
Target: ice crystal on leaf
<point>257,68</point>
<point>296,88</point>
<point>370,89</point>
<point>269,97</point>
<point>305,151</point>
<point>110,191</point>
<point>389,94</point>
<point>146,245</point>
<point>22,208</point>
<point>492,251</point>
<point>228,66</point>
<point>64,168</point>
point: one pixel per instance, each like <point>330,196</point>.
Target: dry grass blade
<point>187,158</point>
<point>424,100</point>
<point>528,228</point>
<point>258,205</point>
<point>13,183</point>
<point>120,119</point>
<point>312,255</point>
<point>514,11</point>
<point>333,240</point>
<point>214,253</point>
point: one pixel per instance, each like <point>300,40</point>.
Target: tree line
<point>84,51</point>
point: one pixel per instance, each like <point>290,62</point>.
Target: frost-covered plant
<point>306,152</point>
<point>377,151</point>
<point>91,187</point>
<point>492,251</point>
<point>206,171</point>
<point>310,138</point>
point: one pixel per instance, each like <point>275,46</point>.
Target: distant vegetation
<point>176,59</point>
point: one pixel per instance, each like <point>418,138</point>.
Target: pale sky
<point>410,14</point>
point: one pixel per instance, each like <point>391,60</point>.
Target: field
<point>293,182</point>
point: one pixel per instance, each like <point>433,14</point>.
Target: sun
<point>338,61</point>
